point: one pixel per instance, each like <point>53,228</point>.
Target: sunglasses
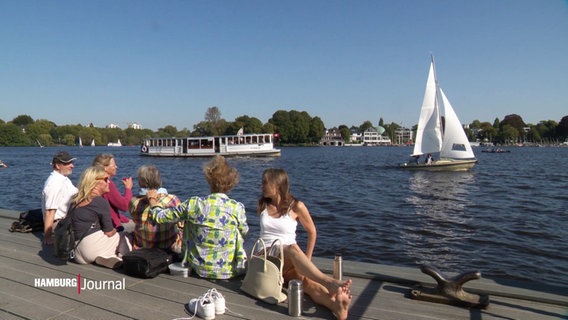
<point>105,179</point>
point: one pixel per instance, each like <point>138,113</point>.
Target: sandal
<point>20,227</point>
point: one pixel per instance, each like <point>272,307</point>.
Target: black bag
<point>64,238</point>
<point>146,262</point>
<point>30,221</point>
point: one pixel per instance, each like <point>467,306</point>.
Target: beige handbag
<point>263,279</point>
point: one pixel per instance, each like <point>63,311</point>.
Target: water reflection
<point>439,201</point>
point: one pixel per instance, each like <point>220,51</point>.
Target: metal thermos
<point>338,267</point>
<point>295,297</point>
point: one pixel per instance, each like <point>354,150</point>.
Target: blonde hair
<point>88,182</point>
<point>103,159</point>
<point>221,177</point>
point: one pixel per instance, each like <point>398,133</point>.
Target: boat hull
<point>442,165</point>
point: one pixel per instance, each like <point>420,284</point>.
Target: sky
<point>159,63</point>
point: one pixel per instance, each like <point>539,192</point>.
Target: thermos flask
<point>295,296</point>
<point>338,267</point>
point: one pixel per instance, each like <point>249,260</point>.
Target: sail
<point>93,143</point>
<point>80,142</point>
<point>456,145</point>
<point>428,134</point>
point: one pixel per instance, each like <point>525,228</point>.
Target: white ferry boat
<point>247,145</point>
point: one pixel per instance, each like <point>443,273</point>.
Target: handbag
<point>263,279</point>
<point>64,238</point>
<point>146,262</point>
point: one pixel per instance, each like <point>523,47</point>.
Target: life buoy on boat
<point>144,148</point>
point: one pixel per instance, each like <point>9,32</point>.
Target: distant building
<point>135,126</point>
<point>332,137</point>
<point>371,137</point>
<point>403,136</point>
<point>112,126</point>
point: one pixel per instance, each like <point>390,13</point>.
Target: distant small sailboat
<point>39,143</point>
<point>115,144</point>
<point>93,143</point>
<point>80,142</point>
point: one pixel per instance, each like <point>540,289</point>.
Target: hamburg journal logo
<point>81,284</point>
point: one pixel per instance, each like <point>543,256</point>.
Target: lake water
<point>506,218</point>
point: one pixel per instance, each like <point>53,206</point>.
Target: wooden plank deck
<point>379,291</point>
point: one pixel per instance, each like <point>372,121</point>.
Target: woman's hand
<point>127,182</point>
<point>152,195</point>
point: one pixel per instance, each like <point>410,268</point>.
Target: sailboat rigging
<point>440,134</point>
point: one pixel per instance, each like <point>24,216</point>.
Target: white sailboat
<point>448,140</point>
<point>80,142</point>
<point>93,142</point>
<point>115,144</point>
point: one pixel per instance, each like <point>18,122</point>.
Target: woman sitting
<point>91,221</point>
<point>146,233</point>
<point>215,225</point>
<point>279,215</point>
<point>118,202</point>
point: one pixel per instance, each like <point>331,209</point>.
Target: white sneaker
<point>218,300</point>
<point>202,306</point>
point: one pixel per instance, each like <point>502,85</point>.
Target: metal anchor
<point>449,290</point>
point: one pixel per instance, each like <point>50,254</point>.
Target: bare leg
<point>306,267</point>
<point>323,289</point>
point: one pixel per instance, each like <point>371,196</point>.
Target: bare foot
<point>333,285</point>
<point>342,302</point>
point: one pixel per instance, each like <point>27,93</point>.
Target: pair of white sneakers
<point>207,305</point>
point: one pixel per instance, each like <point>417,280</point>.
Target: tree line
<point>292,127</point>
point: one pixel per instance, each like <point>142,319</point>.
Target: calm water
<point>507,217</point>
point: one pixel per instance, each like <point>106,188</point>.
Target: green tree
<point>509,134</point>
<point>475,124</point>
<point>168,131</point>
<point>345,133</point>
<point>562,128</point>
<point>212,114</point>
<point>45,139</point>
<point>515,121</point>
<point>12,135</point>
<point>22,120</point>
<point>317,130</point>
<point>301,127</point>
<point>365,125</point>
<point>39,127</point>
<point>496,124</point>
<point>249,125</point>
<point>487,133</point>
<point>282,125</point>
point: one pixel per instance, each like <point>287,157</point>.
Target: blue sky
<point>161,63</point>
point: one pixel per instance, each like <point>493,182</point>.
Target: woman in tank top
<point>279,214</point>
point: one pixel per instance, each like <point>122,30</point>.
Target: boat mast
<point>437,102</point>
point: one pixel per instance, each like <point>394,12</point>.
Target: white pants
<point>98,244</point>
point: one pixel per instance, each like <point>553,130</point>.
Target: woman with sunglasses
<point>99,242</point>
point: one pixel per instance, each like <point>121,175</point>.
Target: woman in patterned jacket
<point>215,225</point>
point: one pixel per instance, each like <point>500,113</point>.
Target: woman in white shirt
<point>279,215</point>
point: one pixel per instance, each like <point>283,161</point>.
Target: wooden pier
<point>379,291</point>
